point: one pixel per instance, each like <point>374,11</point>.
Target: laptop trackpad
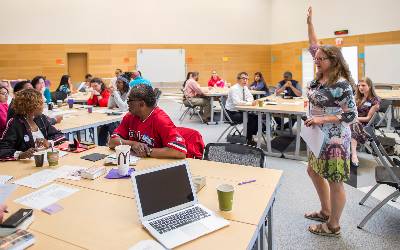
<point>195,229</point>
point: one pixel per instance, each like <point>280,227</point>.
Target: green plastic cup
<point>225,197</point>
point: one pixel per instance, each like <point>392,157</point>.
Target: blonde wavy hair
<point>359,96</point>
<point>27,101</point>
<point>339,67</point>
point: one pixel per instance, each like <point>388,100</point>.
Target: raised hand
<point>309,15</point>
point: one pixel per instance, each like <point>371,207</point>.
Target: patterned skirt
<point>357,133</point>
<point>333,169</point>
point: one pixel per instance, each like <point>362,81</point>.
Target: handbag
<point>236,137</point>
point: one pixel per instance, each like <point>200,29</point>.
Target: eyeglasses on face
<point>4,93</point>
<point>320,59</point>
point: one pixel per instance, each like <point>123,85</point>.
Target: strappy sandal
<point>317,216</point>
<point>324,230</point>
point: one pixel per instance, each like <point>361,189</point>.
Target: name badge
<point>26,138</point>
<point>368,104</point>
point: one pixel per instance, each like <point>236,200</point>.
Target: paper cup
<point>39,159</point>
<point>70,103</point>
<point>90,109</point>
<point>59,103</point>
<point>260,103</point>
<point>52,158</point>
<point>225,197</point>
<point>123,153</point>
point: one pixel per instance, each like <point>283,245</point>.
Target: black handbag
<point>236,137</point>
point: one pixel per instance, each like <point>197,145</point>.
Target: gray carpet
<point>297,195</point>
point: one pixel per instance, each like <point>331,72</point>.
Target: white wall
<point>134,21</point>
<point>288,17</point>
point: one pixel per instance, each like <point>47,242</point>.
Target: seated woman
<point>3,108</point>
<point>17,87</point>
<point>259,83</point>
<point>367,104</point>
<point>119,95</point>
<point>29,129</point>
<point>65,88</point>
<point>38,84</point>
<point>215,80</point>
<point>100,94</point>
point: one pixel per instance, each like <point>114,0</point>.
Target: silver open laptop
<point>168,207</point>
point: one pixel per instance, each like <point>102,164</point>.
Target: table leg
<point>259,129</point>
<point>245,120</point>
<point>71,137</point>
<point>268,131</point>
<point>211,122</point>
<point>269,218</point>
<point>95,135</point>
<point>389,117</point>
<point>222,113</point>
<point>262,236</point>
<point>87,134</point>
<point>298,122</point>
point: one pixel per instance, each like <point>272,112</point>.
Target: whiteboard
<point>307,69</point>
<point>350,54</point>
<point>382,63</point>
<point>162,65</point>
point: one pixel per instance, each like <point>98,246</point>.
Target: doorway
<point>77,67</point>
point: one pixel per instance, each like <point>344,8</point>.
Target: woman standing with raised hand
<point>333,109</point>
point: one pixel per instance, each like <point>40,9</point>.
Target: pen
<point>246,182</point>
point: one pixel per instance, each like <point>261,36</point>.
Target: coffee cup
<point>52,158</point>
<point>70,103</point>
<point>39,158</point>
<point>123,153</point>
<point>225,197</point>
<point>59,103</point>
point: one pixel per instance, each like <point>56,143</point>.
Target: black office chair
<point>157,93</point>
<point>232,125</point>
<point>235,153</point>
<point>387,172</point>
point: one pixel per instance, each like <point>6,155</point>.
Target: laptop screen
<point>164,189</point>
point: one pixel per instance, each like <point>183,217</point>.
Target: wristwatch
<point>149,152</point>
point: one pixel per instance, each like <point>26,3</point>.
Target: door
<point>77,67</point>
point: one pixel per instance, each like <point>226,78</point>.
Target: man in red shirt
<point>147,128</point>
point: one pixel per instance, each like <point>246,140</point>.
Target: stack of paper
<point>5,178</point>
<point>46,196</point>
<point>38,179</point>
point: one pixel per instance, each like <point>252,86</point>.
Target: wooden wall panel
<point>26,61</point>
<point>287,56</point>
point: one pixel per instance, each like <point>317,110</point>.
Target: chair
<point>157,93</point>
<point>388,173</point>
<point>190,108</point>
<point>232,125</point>
<point>235,153</point>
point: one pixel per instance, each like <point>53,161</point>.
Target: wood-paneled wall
<point>287,56</point>
<point>26,61</point>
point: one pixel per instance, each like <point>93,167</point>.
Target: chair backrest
<point>384,105</point>
<point>379,150</point>
<point>224,112</point>
<point>240,154</point>
<point>157,93</point>
<point>373,119</point>
<point>187,99</point>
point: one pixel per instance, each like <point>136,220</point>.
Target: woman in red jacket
<point>215,80</point>
<point>100,94</point>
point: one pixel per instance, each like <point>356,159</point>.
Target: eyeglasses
<point>4,93</point>
<point>320,59</point>
<point>244,78</point>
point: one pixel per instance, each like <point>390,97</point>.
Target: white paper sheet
<point>5,191</point>
<point>5,178</point>
<point>46,196</point>
<point>38,179</point>
<point>70,172</point>
<point>314,137</point>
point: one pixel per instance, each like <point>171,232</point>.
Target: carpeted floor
<point>296,196</point>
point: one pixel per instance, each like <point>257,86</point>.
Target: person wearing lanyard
<point>332,109</point>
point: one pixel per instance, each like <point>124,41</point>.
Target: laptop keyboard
<point>179,219</point>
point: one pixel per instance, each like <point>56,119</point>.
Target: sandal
<point>324,230</point>
<point>317,216</point>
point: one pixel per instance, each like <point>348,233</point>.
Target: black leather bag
<point>236,137</point>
